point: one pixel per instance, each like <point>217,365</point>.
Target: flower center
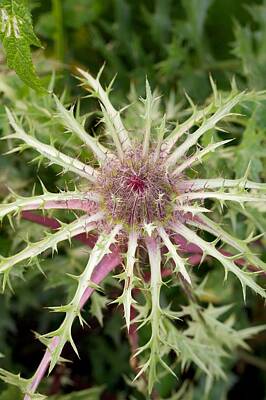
<point>136,190</point>
<point>136,183</point>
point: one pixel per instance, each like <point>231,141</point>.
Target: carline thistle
<point>139,200</point>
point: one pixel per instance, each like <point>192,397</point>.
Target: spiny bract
<point>139,199</point>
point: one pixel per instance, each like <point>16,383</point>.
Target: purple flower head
<point>139,198</point>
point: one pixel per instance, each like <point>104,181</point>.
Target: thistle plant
<point>141,203</point>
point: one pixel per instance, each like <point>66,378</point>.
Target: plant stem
<point>185,247</point>
<point>88,239</point>
<point>107,264</point>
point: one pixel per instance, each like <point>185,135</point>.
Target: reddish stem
<point>42,368</point>
<point>88,239</point>
<point>184,246</point>
<point>40,219</point>
<point>107,264</point>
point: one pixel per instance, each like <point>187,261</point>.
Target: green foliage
<point>19,382</point>
<point>11,393</point>
<point>87,394</point>
<point>249,46</point>
<point>253,137</point>
<point>176,44</point>
<point>17,35</point>
<point>98,304</point>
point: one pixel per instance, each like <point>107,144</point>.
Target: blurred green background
<point>177,44</point>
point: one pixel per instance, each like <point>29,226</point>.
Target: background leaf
<point>17,36</point>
